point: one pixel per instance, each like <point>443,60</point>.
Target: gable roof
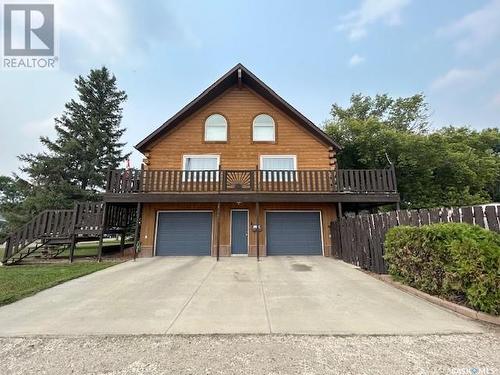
<point>238,74</point>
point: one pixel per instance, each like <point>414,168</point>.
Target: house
<point>239,171</point>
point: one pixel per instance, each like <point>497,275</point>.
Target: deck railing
<point>84,220</point>
<point>242,181</point>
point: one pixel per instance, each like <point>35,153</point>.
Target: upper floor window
<point>216,128</point>
<point>263,128</point>
<point>278,167</point>
<point>200,167</point>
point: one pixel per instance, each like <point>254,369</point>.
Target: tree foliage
<point>73,166</point>
<point>452,166</point>
<point>88,137</point>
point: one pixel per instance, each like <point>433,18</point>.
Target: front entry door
<point>239,232</point>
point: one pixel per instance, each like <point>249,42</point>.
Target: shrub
<point>459,262</point>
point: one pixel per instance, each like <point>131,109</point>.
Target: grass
<point>89,249</point>
<point>17,282</point>
<point>84,249</point>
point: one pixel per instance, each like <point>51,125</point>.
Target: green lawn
<point>84,249</point>
<point>17,282</point>
<point>89,249</point>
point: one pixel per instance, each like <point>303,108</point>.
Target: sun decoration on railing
<point>238,180</point>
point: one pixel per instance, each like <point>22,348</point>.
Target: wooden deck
<point>87,220</point>
<point>344,185</point>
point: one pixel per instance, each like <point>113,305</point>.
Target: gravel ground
<point>252,354</point>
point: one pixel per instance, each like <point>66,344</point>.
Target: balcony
<point>372,184</point>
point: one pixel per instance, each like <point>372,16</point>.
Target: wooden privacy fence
<point>359,240</point>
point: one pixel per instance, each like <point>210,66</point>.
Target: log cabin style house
<point>239,171</point>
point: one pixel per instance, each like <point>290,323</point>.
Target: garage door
<point>293,233</point>
<point>184,233</point>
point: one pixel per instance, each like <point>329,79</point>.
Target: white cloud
<point>457,78</point>
<point>370,12</point>
<point>116,30</point>
<point>356,60</point>
<point>475,30</point>
<point>99,26</point>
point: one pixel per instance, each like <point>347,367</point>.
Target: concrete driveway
<point>188,295</point>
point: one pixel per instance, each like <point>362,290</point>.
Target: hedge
<point>458,262</point>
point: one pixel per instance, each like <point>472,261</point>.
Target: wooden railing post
<point>108,179</point>
<point>257,178</point>
<point>220,179</point>
<point>393,173</point>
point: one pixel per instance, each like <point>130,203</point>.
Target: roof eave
<point>221,85</point>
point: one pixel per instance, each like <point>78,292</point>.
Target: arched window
<point>216,128</point>
<point>263,128</point>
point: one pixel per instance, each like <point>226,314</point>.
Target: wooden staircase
<point>37,233</point>
<point>63,228</point>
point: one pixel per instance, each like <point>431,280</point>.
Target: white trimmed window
<point>216,128</point>
<point>263,128</point>
<point>201,163</point>
<point>279,163</point>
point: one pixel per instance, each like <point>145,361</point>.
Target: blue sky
<point>313,53</point>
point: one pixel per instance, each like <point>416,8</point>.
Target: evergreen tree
<point>87,141</point>
<point>75,163</point>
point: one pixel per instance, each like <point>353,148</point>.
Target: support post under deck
<point>122,243</point>
<point>137,228</point>
<point>257,232</point>
<point>73,234</point>
<point>72,248</point>
<point>101,235</point>
<point>218,231</point>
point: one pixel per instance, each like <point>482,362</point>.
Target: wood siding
<point>239,107</point>
<point>328,214</point>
